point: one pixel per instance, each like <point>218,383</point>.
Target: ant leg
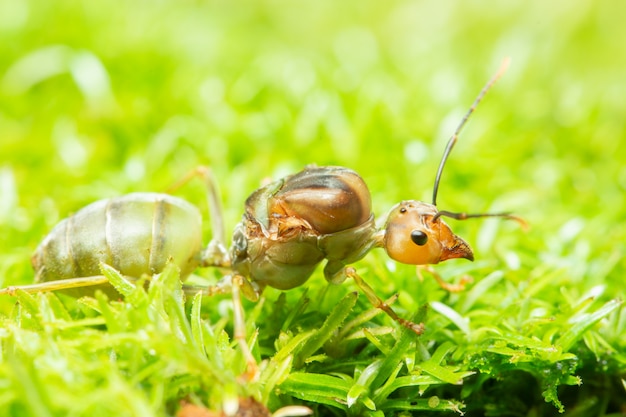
<point>216,253</point>
<point>378,303</point>
<point>252,368</point>
<point>443,284</point>
<point>235,284</point>
<point>225,286</point>
<point>62,284</point>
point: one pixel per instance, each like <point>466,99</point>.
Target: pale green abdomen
<point>135,233</point>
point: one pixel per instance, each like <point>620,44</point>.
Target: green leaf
<point>397,355</point>
<point>320,388</point>
<point>196,322</point>
<point>121,284</point>
<point>448,374</point>
<point>461,322</point>
<point>328,328</point>
<point>428,404</point>
<point>28,302</point>
<point>584,323</point>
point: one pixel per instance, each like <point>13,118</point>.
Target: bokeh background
<point>99,99</point>
<point>103,98</point>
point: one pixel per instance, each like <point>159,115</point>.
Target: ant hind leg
<point>62,284</point>
<point>216,253</point>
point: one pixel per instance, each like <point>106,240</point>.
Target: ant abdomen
<point>136,233</point>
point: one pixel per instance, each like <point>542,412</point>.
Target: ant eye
<point>419,238</point>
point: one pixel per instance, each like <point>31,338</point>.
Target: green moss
<point>101,99</point>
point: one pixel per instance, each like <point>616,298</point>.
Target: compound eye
<point>419,238</point>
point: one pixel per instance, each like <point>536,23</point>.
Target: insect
<point>289,227</point>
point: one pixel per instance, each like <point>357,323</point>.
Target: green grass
<point>100,99</point>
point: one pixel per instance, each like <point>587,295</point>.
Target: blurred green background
<point>99,99</point>
<point>103,98</point>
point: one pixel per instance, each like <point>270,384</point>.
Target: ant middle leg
<point>235,284</point>
<point>376,301</point>
<point>252,368</point>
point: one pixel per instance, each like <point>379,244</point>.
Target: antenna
<point>453,139</point>
<point>464,216</point>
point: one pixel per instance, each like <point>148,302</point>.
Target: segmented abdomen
<point>135,233</point>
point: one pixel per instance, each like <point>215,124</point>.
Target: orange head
<point>415,235</point>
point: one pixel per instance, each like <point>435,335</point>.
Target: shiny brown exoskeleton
<point>293,224</point>
<point>289,227</point>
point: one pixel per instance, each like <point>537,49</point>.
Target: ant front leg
<point>375,300</point>
<point>379,303</point>
<point>443,284</point>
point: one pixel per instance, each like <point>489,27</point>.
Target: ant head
<point>415,234</point>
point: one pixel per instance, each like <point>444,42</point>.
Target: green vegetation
<point>99,99</point>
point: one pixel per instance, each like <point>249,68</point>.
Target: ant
<point>288,228</point>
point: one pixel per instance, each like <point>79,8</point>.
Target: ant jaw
<point>452,246</point>
<point>456,248</point>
